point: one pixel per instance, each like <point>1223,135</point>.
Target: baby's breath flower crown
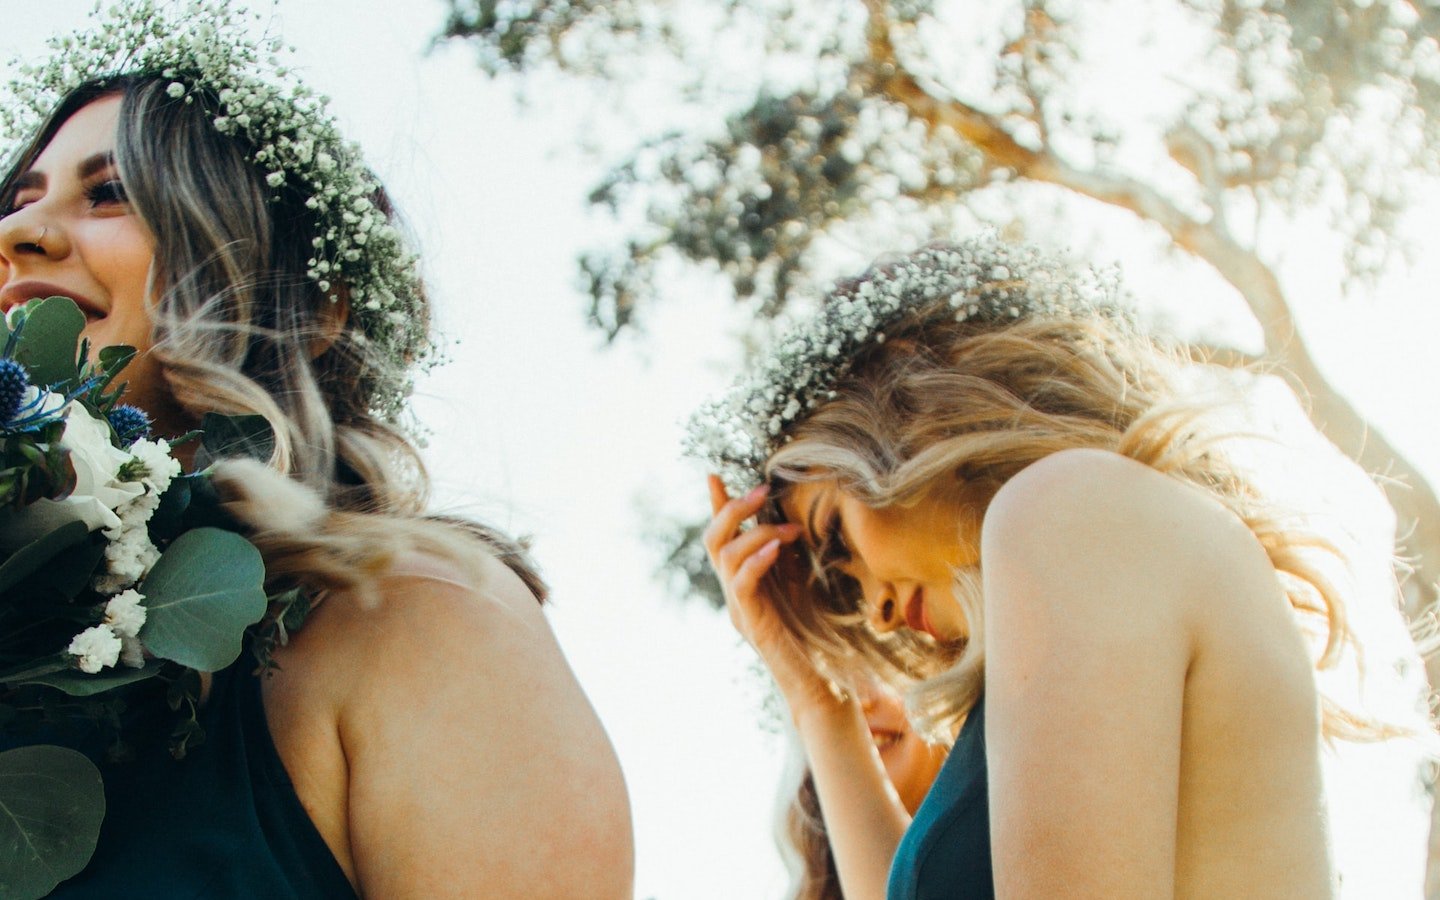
<point>982,280</point>
<point>205,49</point>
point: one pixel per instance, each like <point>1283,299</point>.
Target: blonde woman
<point>972,469</point>
<point>421,734</point>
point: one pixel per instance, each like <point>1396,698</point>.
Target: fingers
<point>718,496</point>
<point>746,582</point>
<point>729,514</point>
<point>733,554</point>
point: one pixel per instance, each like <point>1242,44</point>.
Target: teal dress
<point>945,854</point>
<point>222,823</point>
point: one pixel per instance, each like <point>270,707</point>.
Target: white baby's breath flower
<point>124,614</point>
<point>160,467</point>
<point>983,280</point>
<point>98,647</point>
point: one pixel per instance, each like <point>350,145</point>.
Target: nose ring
<point>40,241</point>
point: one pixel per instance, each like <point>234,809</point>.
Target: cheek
<point>118,252</point>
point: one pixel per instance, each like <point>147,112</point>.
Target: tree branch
<point>1413,499</point>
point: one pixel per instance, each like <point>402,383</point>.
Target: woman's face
<point>903,558</point>
<point>910,763</point>
<point>71,232</point>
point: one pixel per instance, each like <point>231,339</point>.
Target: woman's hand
<point>741,559</point>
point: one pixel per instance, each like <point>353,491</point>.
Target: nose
<point>27,235</point>
<point>884,607</point>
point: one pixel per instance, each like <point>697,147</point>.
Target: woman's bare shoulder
<point>1119,523</point>
<point>469,740</point>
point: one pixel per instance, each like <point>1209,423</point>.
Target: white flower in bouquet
<point>98,489</point>
<point>160,467</point>
<point>125,616</point>
<point>98,647</point>
<point>130,554</point>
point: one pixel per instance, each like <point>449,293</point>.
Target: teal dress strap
<point>224,822</point>
<point>945,853</point>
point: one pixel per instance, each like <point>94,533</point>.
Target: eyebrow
<point>96,162</point>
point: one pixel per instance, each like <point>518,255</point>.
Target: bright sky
<point>540,430</point>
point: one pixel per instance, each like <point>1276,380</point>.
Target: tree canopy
<point>891,117</point>
<point>1243,133</point>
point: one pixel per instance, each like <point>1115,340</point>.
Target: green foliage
<point>46,336</point>
<point>909,116</point>
<point>203,594</point>
<point>204,591</point>
<point>684,565</point>
<point>513,36</point>
<point>78,684</point>
<point>51,805</point>
<point>222,436</point>
<point>752,202</point>
<point>915,108</point>
<point>33,465</point>
<point>30,558</point>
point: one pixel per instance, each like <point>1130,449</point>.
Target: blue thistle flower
<point>13,382</point>
<point>131,423</point>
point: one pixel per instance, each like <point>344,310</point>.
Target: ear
<point>331,322</point>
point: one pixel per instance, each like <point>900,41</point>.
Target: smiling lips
<point>885,738</point>
<point>19,293</point>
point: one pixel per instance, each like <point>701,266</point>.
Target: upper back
<point>1143,620</point>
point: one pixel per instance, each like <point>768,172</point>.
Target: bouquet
<point>115,569</point>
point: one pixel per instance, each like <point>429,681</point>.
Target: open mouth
<point>16,295</point>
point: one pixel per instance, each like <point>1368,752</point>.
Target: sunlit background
<point>541,429</point>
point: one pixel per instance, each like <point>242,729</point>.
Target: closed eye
<point>833,549</point>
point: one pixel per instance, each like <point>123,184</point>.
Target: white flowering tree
<point>803,139</point>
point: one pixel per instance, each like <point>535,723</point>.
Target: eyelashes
<point>105,192</point>
<point>109,192</point>
<point>833,549</point>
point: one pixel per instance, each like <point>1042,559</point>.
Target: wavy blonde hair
<point>240,329</point>
<point>953,410</point>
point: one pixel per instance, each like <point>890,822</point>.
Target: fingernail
<point>757,492</point>
<point>771,547</point>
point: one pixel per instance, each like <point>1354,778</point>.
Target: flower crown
<point>204,49</point>
<point>981,280</point>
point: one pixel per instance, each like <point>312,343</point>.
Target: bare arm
<point>1091,565</point>
<point>477,767</point>
<point>864,818</point>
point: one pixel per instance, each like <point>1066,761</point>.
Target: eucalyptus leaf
<point>48,340</point>
<point>78,684</point>
<point>112,359</point>
<point>41,668</point>
<point>25,561</point>
<point>71,570</point>
<point>234,436</point>
<point>170,514</point>
<point>51,804</point>
<point>204,591</point>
